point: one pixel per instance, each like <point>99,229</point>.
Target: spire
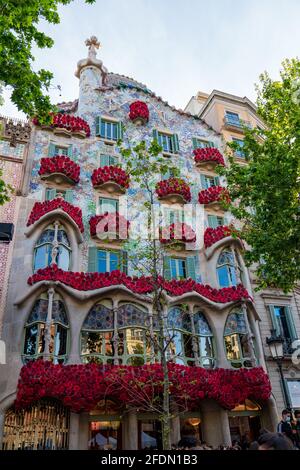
<point>93,44</point>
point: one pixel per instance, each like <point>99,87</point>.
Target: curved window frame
<point>238,335</point>
<point>212,358</point>
<point>39,335</point>
<point>184,337</point>
<point>230,269</point>
<point>56,240</point>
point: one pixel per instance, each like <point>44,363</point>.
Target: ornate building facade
<point>72,299</point>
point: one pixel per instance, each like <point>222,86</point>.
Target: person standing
<point>284,426</point>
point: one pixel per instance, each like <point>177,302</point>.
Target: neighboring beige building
<point>227,114</point>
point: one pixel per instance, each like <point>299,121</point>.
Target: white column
<point>46,354</point>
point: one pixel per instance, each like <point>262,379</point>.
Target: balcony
<point>236,124</point>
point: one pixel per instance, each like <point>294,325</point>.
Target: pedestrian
<point>274,441</point>
<point>296,428</point>
<point>284,426</point>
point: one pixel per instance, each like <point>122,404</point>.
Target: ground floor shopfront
<point>48,425</point>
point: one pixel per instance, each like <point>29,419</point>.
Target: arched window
<point>226,269</point>
<point>236,340</point>
<point>53,246</point>
<point>205,341</point>
<point>97,335</point>
<point>180,332</point>
<point>35,334</point>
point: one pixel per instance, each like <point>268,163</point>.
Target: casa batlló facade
<point>76,312</point>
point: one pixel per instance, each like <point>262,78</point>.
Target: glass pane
<point>59,313</point>
<point>223,276</point>
<point>42,257</point>
<point>63,258</point>
<point>232,347</point>
<point>108,344</point>
<point>99,318</point>
<point>205,346</point>
<point>173,268</point>
<point>130,315</point>
<point>282,321</point>
<point>62,237</point>
<point>114,261</point>
<point>102,133</point>
<point>46,237</point>
<point>175,343</point>
<point>109,130</point>
<point>30,340</point>
<point>39,311</point>
<point>245,346</point>
<point>102,255</point>
<point>41,339</point>
<point>235,323</point>
<point>91,342</point>
<point>61,151</point>
<point>108,205</point>
<point>181,269</point>
<point>201,325</point>
<point>188,346</point>
<point>115,131</point>
<point>135,339</point>
<point>60,341</point>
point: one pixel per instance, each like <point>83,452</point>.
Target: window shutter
<point>291,324</point>
<point>51,150</point>
<point>175,143</point>
<point>50,194</point>
<point>195,142</point>
<point>217,181</point>
<point>98,126</point>
<point>167,268</point>
<point>225,221</point>
<point>211,144</point>
<point>119,131</point>
<point>191,267</point>
<point>212,221</point>
<point>69,196</point>
<point>70,151</point>
<point>275,323</point>
<point>104,160</point>
<point>123,261</point>
<point>203,181</point>
<point>93,260</point>
<point>155,135</point>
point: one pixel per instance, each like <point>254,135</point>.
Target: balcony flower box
<point>139,113</point>
<point>67,125</point>
<point>177,235</point>
<point>109,226</point>
<point>111,179</point>
<point>60,169</point>
<point>41,208</point>
<point>213,235</point>
<point>214,197</point>
<point>174,190</point>
<point>208,158</point>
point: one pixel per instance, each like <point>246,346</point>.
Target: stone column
<point>269,416</point>
<point>116,334</point>
<point>47,333</point>
<point>219,342</point>
<point>194,339</point>
<point>2,419</point>
<point>175,430</point>
<point>83,431</point>
<point>214,424</point>
<point>130,431</point>
<point>74,431</point>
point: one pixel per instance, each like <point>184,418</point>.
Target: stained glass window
<point>43,253</point>
<point>236,340</point>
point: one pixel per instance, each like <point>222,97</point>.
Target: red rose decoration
<point>41,208</point>
<point>113,223</point>
<point>213,235</point>
<point>60,164</point>
<point>213,194</point>
<point>69,122</point>
<point>81,386</point>
<point>173,186</point>
<point>208,155</point>
<point>139,110</point>
<point>110,173</point>
<point>177,232</point>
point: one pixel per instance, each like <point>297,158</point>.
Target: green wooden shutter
<point>175,143</point>
<point>275,323</point>
<point>50,194</point>
<point>217,181</point>
<point>191,267</point>
<point>155,135</point>
<point>51,150</point>
<point>98,126</point>
<point>195,142</point>
<point>203,181</point>
<point>93,260</point>
<point>167,268</point>
<point>69,196</point>
<point>120,131</point>
<point>211,144</point>
<point>212,221</point>
<point>104,160</point>
<point>123,257</point>
<point>225,221</point>
<point>291,324</point>
<point>70,151</point>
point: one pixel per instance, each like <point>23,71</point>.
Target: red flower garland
<point>208,155</point>
<point>110,173</point>
<point>177,232</point>
<point>69,122</point>
<point>41,208</point>
<point>80,387</point>
<point>142,285</point>
<point>138,109</point>
<point>213,235</point>
<point>173,186</point>
<point>213,194</point>
<point>113,223</point>
<point>60,164</point>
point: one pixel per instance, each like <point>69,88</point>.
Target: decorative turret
<point>92,75</point>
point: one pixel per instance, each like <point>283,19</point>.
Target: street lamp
<point>275,343</point>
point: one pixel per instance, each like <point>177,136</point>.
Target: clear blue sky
<point>175,47</point>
